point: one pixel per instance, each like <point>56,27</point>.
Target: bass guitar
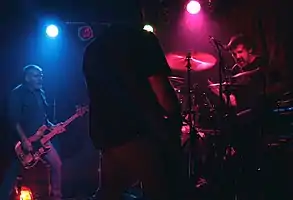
<point>40,141</point>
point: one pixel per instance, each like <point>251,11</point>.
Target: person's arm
<point>14,114</point>
<point>216,91</point>
<point>158,72</point>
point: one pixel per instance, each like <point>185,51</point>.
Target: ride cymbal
<point>199,61</point>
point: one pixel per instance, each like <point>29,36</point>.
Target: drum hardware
<point>176,79</point>
<point>208,103</point>
<point>176,82</point>
<point>223,69</point>
<point>192,131</point>
<point>192,62</point>
<point>225,87</point>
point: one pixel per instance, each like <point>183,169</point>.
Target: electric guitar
<point>40,141</point>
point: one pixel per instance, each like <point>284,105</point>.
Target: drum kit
<point>188,93</point>
<point>196,105</point>
<point>213,137</point>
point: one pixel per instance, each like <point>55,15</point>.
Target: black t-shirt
<point>116,67</point>
<point>250,88</point>
<point>28,108</point>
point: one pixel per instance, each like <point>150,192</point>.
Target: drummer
<point>246,73</point>
<point>249,81</point>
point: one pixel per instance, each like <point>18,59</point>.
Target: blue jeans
<point>52,162</point>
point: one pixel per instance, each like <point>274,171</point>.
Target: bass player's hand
<point>27,145</point>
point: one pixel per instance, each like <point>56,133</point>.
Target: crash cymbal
<point>199,61</point>
<point>245,74</point>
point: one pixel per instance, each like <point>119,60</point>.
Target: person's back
<point>118,85</point>
<point>130,98</point>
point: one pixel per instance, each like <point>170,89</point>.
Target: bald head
<point>33,76</point>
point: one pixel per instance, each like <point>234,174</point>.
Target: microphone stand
<point>221,69</point>
<point>193,131</point>
<point>225,106</point>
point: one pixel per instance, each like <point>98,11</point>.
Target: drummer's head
<point>242,49</point>
<point>119,12</point>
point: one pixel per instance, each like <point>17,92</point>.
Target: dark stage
<point>195,41</point>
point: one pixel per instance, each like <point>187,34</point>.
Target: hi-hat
<point>199,61</point>
<point>226,86</point>
<point>176,79</point>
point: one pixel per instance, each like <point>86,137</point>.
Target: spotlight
<point>148,28</point>
<point>193,7</point>
<point>52,31</point>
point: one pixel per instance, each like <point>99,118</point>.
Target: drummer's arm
<point>232,100</point>
<point>216,91</point>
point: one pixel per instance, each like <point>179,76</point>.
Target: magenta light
<point>193,7</point>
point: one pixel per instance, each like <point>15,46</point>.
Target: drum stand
<point>193,131</point>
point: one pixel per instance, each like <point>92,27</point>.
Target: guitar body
<point>30,159</point>
<point>40,140</point>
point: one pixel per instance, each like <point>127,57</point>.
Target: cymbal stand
<point>193,131</point>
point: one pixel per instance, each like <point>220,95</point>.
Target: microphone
<point>218,42</point>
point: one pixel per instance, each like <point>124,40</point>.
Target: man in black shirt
<point>247,99</point>
<point>134,112</point>
<point>27,111</point>
<point>247,73</point>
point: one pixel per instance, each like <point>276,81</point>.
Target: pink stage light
<point>193,7</point>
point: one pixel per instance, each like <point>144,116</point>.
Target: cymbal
<point>176,79</point>
<point>247,73</point>
<point>199,61</point>
<point>225,84</point>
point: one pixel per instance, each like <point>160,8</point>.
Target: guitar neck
<point>50,135</point>
<point>69,120</point>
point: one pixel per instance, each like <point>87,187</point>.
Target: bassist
<point>27,111</point>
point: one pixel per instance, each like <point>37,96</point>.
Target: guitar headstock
<point>81,110</point>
